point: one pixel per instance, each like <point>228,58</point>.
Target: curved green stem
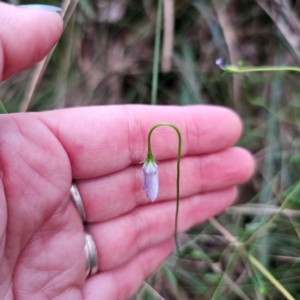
<point>236,69</point>
<point>150,155</point>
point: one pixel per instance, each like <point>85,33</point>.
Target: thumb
<point>26,36</point>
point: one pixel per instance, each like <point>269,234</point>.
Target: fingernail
<point>42,6</point>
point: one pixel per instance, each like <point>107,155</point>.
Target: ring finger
<point>119,239</point>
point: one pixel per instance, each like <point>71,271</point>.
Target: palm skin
<point>41,233</point>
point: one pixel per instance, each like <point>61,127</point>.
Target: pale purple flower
<point>221,62</point>
<point>150,170</point>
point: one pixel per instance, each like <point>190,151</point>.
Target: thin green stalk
<point>283,206</point>
<point>251,258</point>
<point>271,165</point>
<point>178,172</point>
<point>156,53</point>
<point>270,277</point>
<point>2,108</point>
<point>236,69</point>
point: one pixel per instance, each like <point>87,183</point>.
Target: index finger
<point>26,36</point>
<point>102,140</point>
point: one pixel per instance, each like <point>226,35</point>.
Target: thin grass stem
<point>251,258</point>
<point>2,108</point>
<point>270,277</point>
<point>156,53</point>
<point>41,66</point>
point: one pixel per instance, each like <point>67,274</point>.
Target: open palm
<point>41,233</point>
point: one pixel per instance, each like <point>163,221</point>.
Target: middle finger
<point>109,196</point>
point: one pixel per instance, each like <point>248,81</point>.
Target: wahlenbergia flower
<point>151,184</point>
<point>150,170</point>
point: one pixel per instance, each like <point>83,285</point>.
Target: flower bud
<point>151,185</point>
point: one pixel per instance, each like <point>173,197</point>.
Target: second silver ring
<point>91,255</point>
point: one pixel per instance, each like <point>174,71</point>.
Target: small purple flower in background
<point>151,185</point>
<point>221,62</point>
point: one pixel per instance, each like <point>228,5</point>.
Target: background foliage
<point>105,56</point>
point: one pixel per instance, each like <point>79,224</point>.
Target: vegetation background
<point>105,56</point>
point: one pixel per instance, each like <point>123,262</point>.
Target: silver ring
<point>75,195</point>
<point>91,255</point>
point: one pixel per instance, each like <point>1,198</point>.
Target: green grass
<point>100,63</point>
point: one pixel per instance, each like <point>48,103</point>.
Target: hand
<point>41,234</point>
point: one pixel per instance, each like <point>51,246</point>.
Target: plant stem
<point>178,172</point>
<point>2,108</point>
<point>270,277</point>
<point>251,258</point>
<point>156,53</point>
<point>236,69</point>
